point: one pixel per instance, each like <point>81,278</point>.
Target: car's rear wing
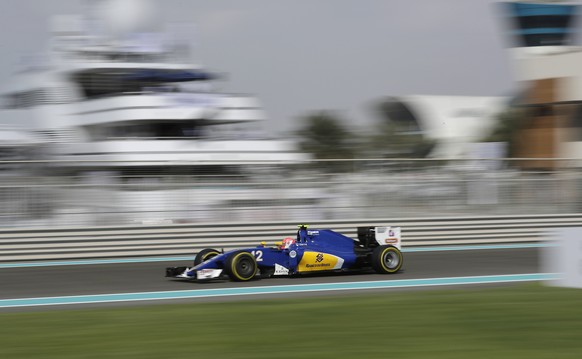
<point>388,236</point>
<point>371,237</point>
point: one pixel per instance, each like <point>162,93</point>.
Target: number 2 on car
<point>258,255</point>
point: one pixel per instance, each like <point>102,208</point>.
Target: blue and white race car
<point>319,250</point>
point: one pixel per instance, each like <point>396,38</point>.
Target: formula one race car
<point>376,248</point>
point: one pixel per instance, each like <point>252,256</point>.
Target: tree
<point>324,136</point>
<point>506,129</point>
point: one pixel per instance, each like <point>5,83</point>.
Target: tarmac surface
<point>35,282</point>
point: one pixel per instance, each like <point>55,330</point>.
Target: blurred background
<point>120,112</point>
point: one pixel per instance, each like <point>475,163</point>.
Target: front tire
<point>387,259</point>
<point>205,255</point>
<point>241,266</point>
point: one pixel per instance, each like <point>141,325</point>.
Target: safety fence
<point>184,239</point>
<point>92,193</point>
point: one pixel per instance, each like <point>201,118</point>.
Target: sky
<point>301,56</point>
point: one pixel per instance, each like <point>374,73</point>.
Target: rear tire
<point>205,255</point>
<point>387,259</point>
<point>241,266</point>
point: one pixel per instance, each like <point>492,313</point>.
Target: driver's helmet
<point>287,242</point>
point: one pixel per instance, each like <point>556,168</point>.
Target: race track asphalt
<point>34,282</point>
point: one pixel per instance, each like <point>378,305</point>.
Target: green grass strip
<point>522,321</point>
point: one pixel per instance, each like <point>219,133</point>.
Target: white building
<point>453,122</point>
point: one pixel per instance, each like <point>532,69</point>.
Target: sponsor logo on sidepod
<point>318,265</point>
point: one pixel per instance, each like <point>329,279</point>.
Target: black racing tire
<point>387,259</point>
<point>205,255</point>
<point>241,266</point>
